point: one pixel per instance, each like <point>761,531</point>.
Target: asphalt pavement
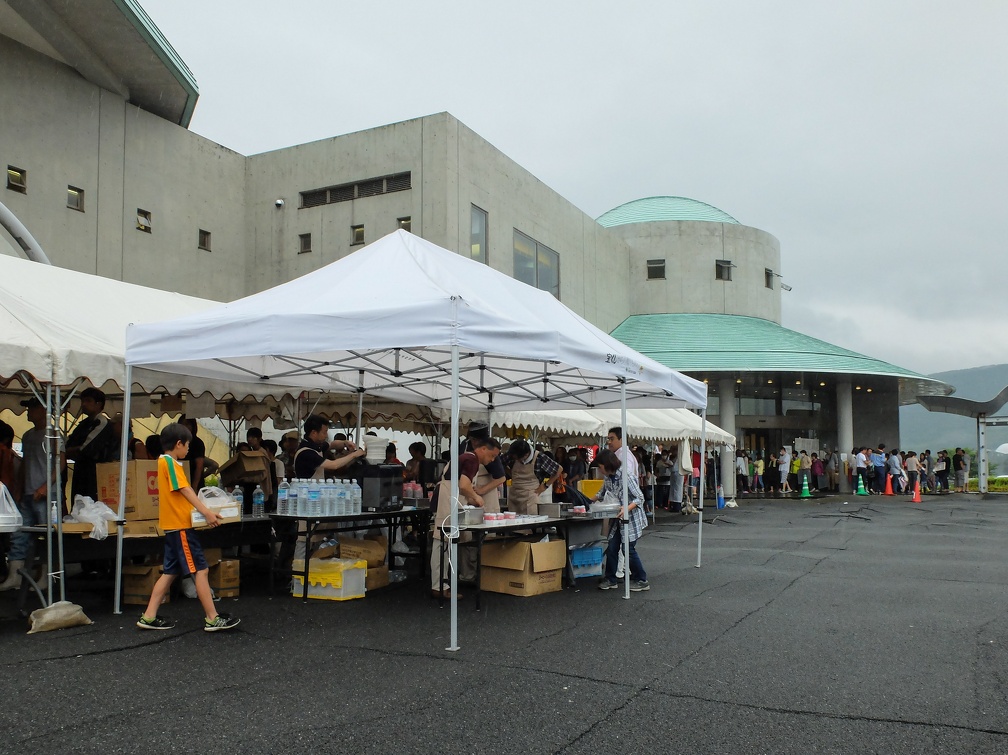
<point>838,624</point>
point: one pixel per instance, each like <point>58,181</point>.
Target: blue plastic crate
<point>586,561</point>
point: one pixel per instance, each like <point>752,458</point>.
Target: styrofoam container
<point>335,579</point>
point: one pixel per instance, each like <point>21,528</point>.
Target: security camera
<point>279,203</point>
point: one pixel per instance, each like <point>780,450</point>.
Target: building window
<point>75,198</point>
<point>356,235</point>
<point>369,187</point>
<point>405,224</point>
<point>768,276</point>
<point>304,243</point>
<point>536,264</point>
<point>17,179</point>
<point>722,270</point>
<point>204,240</point>
<point>143,222</point>
<point>478,234</point>
<point>655,270</point>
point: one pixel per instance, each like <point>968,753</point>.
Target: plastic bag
<point>10,517</point>
<point>86,509</point>
<point>214,498</point>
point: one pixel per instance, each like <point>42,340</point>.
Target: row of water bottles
<point>318,497</point>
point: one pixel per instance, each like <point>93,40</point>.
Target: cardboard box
<point>376,577</point>
<point>250,467</point>
<point>229,515</point>
<point>225,577</point>
<point>142,528</point>
<point>372,550</point>
<point>523,568</point>
<point>141,488</point>
<point>212,556</point>
<point>138,582</point>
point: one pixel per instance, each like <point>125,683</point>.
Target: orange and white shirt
<point>174,511</point>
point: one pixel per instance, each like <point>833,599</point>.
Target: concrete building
<point>102,169</point>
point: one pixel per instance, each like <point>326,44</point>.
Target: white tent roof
<point>385,318</point>
<point>642,424</point>
<point>60,325</point>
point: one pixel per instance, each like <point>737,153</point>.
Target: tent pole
<point>360,406</point>
<point>625,518</point>
<point>123,447</point>
<point>453,503</point>
<point>55,496</point>
<point>703,483</point>
<point>49,497</point>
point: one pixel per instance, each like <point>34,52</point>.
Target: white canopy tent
<point>673,424</point>
<point>406,320</point>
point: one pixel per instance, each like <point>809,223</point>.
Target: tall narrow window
<point>768,276</point>
<point>143,221</point>
<point>17,179</point>
<point>478,234</point>
<point>548,270</point>
<point>304,243</point>
<point>524,258</point>
<point>204,240</point>
<point>405,223</point>
<point>75,198</point>
<point>655,270</point>
<point>356,235</point>
<point>536,264</point>
<point>722,270</point>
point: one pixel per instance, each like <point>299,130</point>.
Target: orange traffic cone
<point>916,495</point>
<point>888,484</point>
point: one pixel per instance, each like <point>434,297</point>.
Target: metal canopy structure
<point>981,411</point>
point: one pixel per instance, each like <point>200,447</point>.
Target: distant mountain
<point>920,429</point>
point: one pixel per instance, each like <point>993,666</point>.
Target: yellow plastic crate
<point>590,488</point>
<point>331,578</point>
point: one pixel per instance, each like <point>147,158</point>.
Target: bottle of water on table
<point>282,490</point>
<point>258,502</point>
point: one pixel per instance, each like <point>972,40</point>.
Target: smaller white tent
<point>657,425</point>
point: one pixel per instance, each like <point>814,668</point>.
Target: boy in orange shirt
<point>182,551</point>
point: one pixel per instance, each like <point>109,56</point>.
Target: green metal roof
<point>734,343</point>
<point>657,209</point>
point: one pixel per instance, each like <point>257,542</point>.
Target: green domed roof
<point>657,209</point>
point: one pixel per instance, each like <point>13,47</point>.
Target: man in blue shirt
<point>878,461</point>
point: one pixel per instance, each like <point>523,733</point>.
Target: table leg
<point>480,535</point>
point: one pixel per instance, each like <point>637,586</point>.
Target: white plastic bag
<point>10,517</point>
<point>214,498</point>
<point>85,509</point>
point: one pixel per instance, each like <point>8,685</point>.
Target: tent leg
<point>123,448</point>
<point>625,518</point>
<point>703,484</point>
<point>453,503</point>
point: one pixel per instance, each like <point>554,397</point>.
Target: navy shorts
<point>183,553</point>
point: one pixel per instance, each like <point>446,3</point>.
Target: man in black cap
<point>92,442</point>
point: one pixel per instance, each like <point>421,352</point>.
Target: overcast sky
<point>870,138</point>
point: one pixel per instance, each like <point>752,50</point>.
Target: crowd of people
<point>903,471</point>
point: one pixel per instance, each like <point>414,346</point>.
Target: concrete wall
<point>65,132</point>
<point>690,249</point>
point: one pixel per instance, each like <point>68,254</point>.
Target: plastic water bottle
<point>54,515</point>
<point>282,491</point>
<point>258,502</point>
<point>293,502</point>
<point>314,498</point>
<point>238,496</point>
<point>355,496</point>
<point>339,498</point>
<point>328,498</point>
<point>306,509</point>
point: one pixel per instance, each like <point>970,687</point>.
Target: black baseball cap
<point>31,403</point>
